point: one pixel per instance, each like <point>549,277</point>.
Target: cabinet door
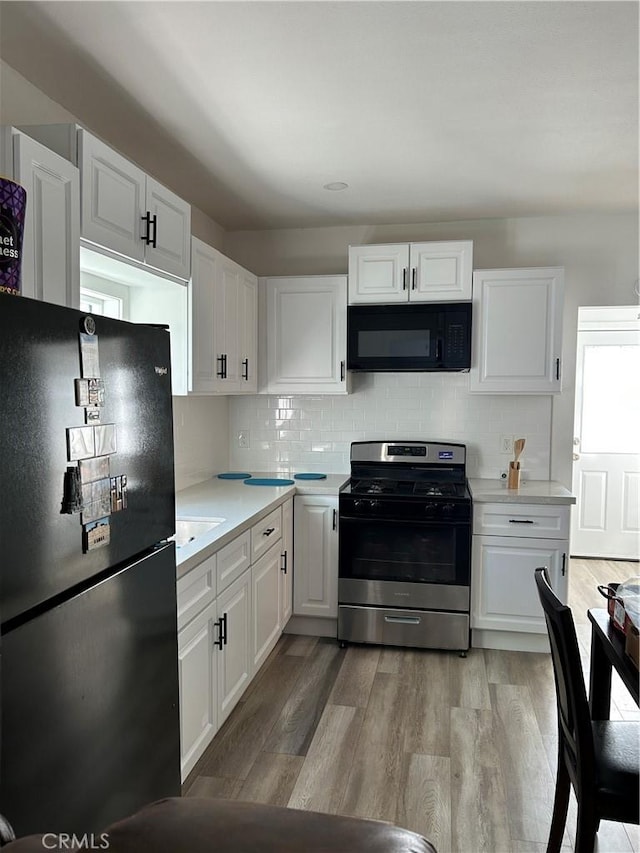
<point>234,661</point>
<point>441,272</point>
<point>286,564</point>
<point>226,326</point>
<point>306,335</point>
<point>517,331</point>
<point>112,198</point>
<point>51,243</point>
<point>248,331</point>
<point>315,588</point>
<point>265,591</point>
<point>503,591</point>
<point>204,259</point>
<point>172,230</point>
<point>379,273</point>
<point>197,668</point>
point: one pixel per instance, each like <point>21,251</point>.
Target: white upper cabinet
<point>202,293</point>
<point>168,245</point>
<point>51,241</point>
<point>223,318</point>
<point>113,198</point>
<point>124,210</point>
<point>517,331</point>
<point>131,213</point>
<point>306,334</point>
<point>411,272</point>
<point>248,331</point>
<point>378,273</point>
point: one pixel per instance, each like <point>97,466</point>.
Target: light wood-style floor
<point>460,750</point>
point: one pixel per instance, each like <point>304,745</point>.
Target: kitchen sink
<point>188,529</point>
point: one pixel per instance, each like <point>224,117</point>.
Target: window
<point>101,303</point>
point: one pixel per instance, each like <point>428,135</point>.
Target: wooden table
<point>607,652</point>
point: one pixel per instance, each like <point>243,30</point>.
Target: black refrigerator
<point>89,714</point>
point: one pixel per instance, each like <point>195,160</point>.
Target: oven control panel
<point>406,450</point>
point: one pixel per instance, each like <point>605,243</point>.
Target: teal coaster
<point>233,475</point>
<point>267,481</point>
<point>310,476</point>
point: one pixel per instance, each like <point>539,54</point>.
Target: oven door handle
<point>422,522</point>
<point>403,620</point>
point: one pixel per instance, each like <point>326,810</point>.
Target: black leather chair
<point>193,825</point>
<point>600,759</point>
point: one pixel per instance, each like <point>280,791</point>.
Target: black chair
<point>599,758</point>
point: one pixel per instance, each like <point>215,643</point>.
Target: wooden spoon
<point>518,447</point>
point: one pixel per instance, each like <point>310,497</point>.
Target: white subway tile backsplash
<point>316,432</point>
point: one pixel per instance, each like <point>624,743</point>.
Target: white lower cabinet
<point>286,566</point>
<point>505,594</point>
<point>234,661</point>
<point>198,675</point>
<point>505,608</point>
<point>315,589</point>
<point>232,608</point>
<point>265,587</point>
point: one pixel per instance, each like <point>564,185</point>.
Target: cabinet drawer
<point>196,589</point>
<point>515,519</point>
<point>233,559</point>
<point>265,533</point>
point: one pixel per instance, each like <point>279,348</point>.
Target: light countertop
<point>529,492</point>
<point>240,506</point>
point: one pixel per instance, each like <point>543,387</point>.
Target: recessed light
<point>336,185</point>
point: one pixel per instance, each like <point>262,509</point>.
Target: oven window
<point>404,551</point>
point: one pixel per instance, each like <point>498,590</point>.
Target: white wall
<point>201,438</point>
<point>598,251</point>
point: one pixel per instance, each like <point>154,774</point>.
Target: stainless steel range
<point>405,546</point>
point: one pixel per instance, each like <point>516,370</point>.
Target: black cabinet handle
<point>152,228</point>
<point>520,521</point>
<point>564,564</point>
<point>404,278</point>
<point>223,629</point>
<point>220,641</point>
<point>268,531</point>
<point>222,369</point>
<point>283,564</point>
<point>335,519</point>
<point>342,366</point>
<point>245,368</point>
<point>413,278</point>
<point>557,368</point>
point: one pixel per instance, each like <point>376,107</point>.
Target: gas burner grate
<point>375,487</point>
<point>445,490</point>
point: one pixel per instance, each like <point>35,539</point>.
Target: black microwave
<point>420,336</point>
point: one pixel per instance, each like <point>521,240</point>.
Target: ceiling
<point>429,111</point>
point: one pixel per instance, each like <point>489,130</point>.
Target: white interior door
<point>606,467</point>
